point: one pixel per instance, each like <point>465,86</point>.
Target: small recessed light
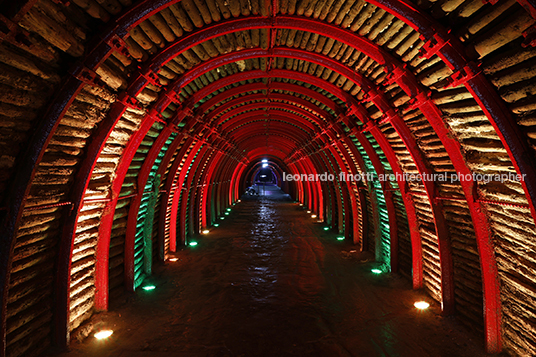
<point>216,224</point>
<point>149,287</point>
<point>326,228</point>
<point>376,271</point>
<point>206,231</point>
<point>340,238</point>
<point>101,335</point>
<point>308,211</point>
<point>421,305</point>
<point>173,259</point>
<point>313,216</point>
<point>193,244</point>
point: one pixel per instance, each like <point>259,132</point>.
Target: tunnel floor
<point>269,281</point>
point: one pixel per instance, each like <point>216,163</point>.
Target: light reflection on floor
<point>269,282</point>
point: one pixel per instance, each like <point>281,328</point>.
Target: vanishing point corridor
<point>269,281</point>
<point>402,134</point>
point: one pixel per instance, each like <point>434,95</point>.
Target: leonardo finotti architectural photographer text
<point>442,177</point>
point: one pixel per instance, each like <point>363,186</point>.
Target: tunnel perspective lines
<point>172,108</point>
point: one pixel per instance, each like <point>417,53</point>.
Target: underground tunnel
<point>148,141</point>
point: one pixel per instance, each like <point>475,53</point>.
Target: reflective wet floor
<point>269,281</point>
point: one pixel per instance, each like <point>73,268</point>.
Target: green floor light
<point>149,287</point>
<point>376,271</point>
<point>216,224</point>
<point>193,244</point>
<point>340,238</point>
<point>326,228</point>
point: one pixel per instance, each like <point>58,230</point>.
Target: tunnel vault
<point>128,127</point>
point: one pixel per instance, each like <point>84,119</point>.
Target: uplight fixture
<point>206,231</point>
<point>149,287</point>
<point>103,334</point>
<point>421,305</point>
<point>313,216</point>
<point>193,244</point>
<point>376,271</point>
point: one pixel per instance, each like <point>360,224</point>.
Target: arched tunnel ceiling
<point>211,87</point>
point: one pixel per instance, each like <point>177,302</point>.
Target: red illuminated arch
<point>478,86</point>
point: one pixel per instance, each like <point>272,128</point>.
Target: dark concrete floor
<point>269,281</point>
